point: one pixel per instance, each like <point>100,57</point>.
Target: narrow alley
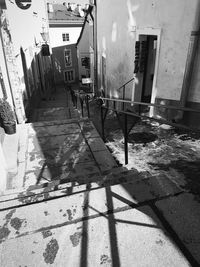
<point>99,133</point>
<point>78,208</point>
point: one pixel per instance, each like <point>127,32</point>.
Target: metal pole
<point>123,96</point>
<point>125,139</point>
<point>87,105</point>
<point>81,102</point>
<point>102,124</point>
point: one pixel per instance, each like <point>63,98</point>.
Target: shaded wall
<point>60,66</point>
<point>24,28</point>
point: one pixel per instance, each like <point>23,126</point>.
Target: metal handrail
<point>150,104</point>
<point>128,113</point>
<point>125,83</point>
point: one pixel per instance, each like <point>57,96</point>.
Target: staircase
<point>76,206</point>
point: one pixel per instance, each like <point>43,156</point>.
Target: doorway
<point>147,65</point>
<point>147,48</point>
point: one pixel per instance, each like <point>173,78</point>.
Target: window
<point>85,61</point>
<point>67,57</point>
<point>65,37</point>
<point>69,76</point>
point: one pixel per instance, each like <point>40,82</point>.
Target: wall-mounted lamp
<point>45,36</point>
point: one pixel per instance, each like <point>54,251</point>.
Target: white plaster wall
<point>116,38</point>
<point>26,25</point>
<point>55,35</point>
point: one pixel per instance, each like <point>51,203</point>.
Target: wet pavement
<point>72,205</point>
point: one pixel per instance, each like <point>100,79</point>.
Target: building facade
<point>25,63</point>
<point>24,31</point>
<point>65,23</point>
<point>156,42</point>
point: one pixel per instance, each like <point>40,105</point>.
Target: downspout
<point>190,62</point>
<point>95,44</point>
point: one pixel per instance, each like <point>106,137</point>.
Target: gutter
<point>89,11</point>
<point>190,62</point>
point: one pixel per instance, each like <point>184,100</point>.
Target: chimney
<point>86,6</point>
<point>73,6</point>
<point>69,7</point>
<point>49,8</point>
<point>80,11</point>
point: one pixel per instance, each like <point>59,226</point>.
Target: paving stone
<point>55,122</point>
<point>51,142</point>
<point>47,114</point>
<point>23,142</point>
<point>53,172</point>
<point>110,240</point>
<point>183,214</point>
<point>59,156</point>
<point>105,160</point>
<point>88,129</point>
<point>61,129</point>
<point>96,144</point>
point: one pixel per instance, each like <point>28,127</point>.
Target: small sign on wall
<point>86,80</point>
<point>23,4</point>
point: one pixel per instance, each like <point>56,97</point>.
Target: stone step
<point>51,113</point>
<point>53,103</point>
<point>143,188</point>
<point>119,173</point>
<point>53,209</point>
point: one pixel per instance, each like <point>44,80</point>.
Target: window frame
<point>65,76</point>
<point>69,56</point>
<point>65,37</point>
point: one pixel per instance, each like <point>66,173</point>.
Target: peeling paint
<point>46,213</point>
<point>9,215</point>
<point>75,238</point>
<point>69,215</point>
<point>46,233</point>
<point>16,223</point>
<point>4,233</point>
<point>160,242</point>
<point>51,251</point>
<point>105,259</point>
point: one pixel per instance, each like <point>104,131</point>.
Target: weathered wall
<point>116,39</point>
<point>55,35</point>
<point>59,61</point>
<point>25,28</point>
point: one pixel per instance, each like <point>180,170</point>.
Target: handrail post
<point>81,102</point>
<point>125,139</point>
<point>114,104</point>
<point>123,97</point>
<point>87,105</point>
<point>102,124</point>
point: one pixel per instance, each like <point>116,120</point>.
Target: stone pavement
<point>74,206</point>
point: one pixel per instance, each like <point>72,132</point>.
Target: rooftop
<point>60,13</point>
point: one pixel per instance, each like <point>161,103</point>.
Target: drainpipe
<point>94,19</point>
<point>190,62</point>
<point>192,50</point>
